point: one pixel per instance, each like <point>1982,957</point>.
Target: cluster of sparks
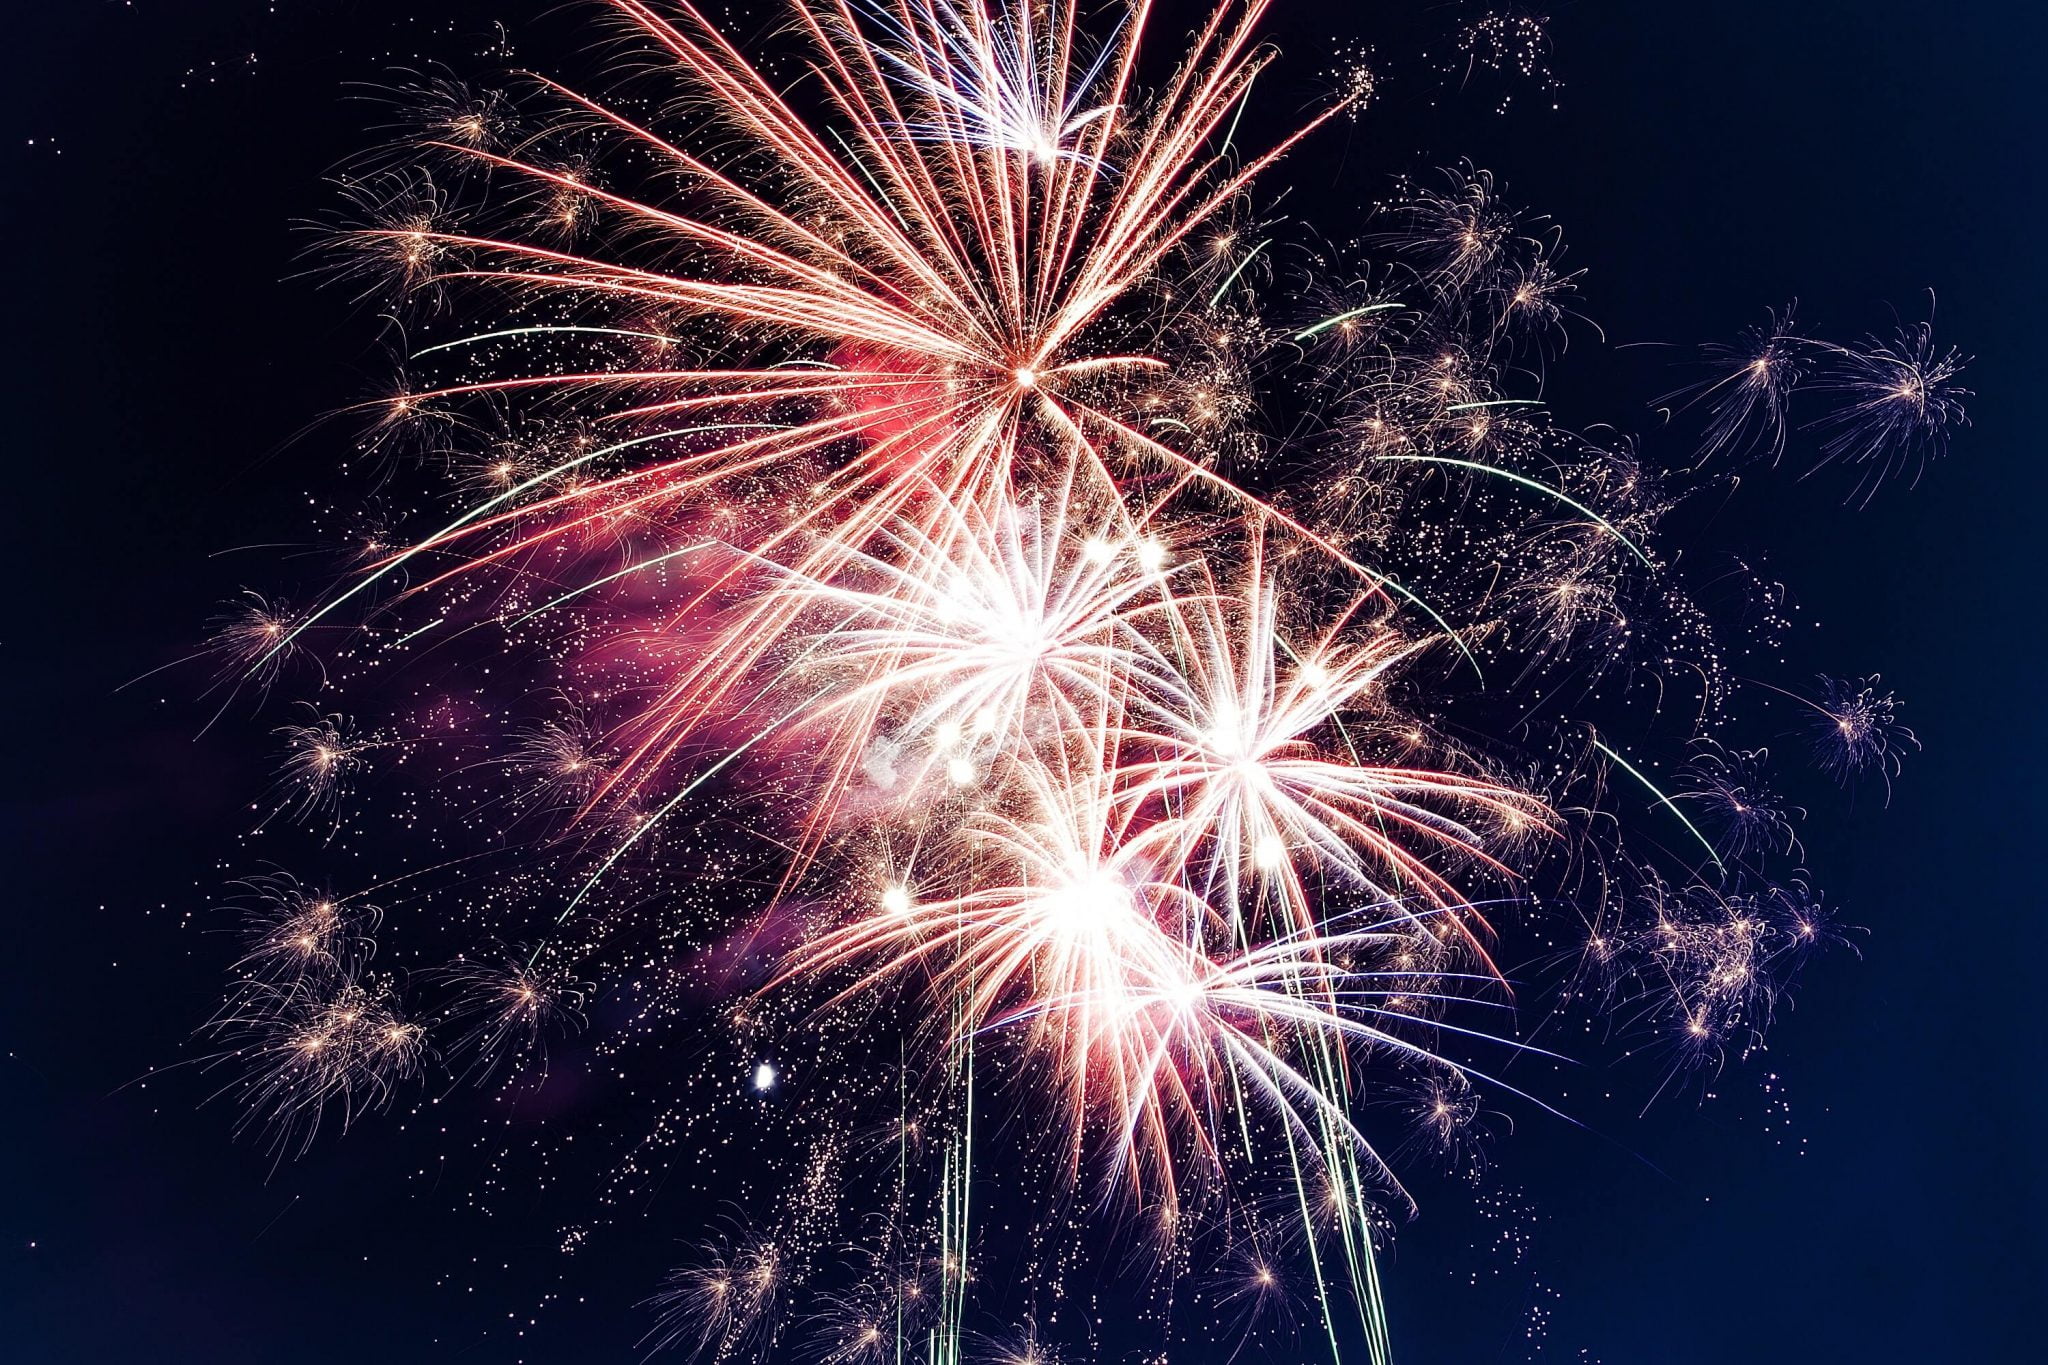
<point>1895,398</point>
<point>892,477</point>
<point>313,1032</point>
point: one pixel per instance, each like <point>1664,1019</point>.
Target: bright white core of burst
<point>1226,733</point>
<point>764,1077</point>
<point>1088,902</point>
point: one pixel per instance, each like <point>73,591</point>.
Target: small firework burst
<point>1444,1111</point>
<point>1698,969</point>
<point>292,932</point>
<point>1506,42</point>
<point>328,1046</point>
<point>252,638</point>
<point>1732,789</point>
<point>723,1305</point>
<point>1899,400</point>
<point>322,758</point>
<point>563,762</point>
<point>1356,79</point>
<point>502,1014</point>
<point>1748,389</point>
<point>1857,730</point>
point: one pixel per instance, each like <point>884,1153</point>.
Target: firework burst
<point>871,473</point>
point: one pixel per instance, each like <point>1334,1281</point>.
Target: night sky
<point>1870,1189</point>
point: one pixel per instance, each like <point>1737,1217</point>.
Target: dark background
<point>1707,161</point>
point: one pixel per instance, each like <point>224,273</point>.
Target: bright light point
<point>1086,902</point>
<point>1027,378</point>
<point>1226,735</point>
<point>896,900</point>
<point>1270,851</point>
<point>1314,675</point>
<point>1151,556</point>
<point>1099,551</point>
<point>764,1077</point>
<point>948,735</point>
<point>961,771</point>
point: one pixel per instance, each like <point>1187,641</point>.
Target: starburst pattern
<point>942,666</point>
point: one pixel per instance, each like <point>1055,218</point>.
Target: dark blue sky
<point>1707,162</point>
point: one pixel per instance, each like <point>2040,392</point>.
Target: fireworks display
<point>1107,707</point>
